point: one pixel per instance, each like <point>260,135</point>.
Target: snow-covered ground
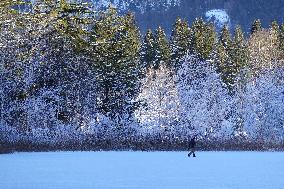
<point>142,170</point>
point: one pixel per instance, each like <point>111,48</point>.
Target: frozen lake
<point>142,170</point>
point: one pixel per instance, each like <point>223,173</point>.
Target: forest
<point>73,78</point>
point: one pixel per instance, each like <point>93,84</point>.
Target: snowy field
<point>142,170</point>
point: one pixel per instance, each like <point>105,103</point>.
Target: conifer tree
<point>163,51</point>
<point>233,55</point>
<point>239,53</point>
<point>148,50</point>
<point>66,36</point>
<point>180,40</point>
<point>115,48</point>
<point>256,26</point>
<point>264,52</point>
<point>10,65</point>
<point>225,38</point>
<point>71,23</point>
<point>275,35</point>
<point>210,40</point>
<point>196,35</point>
<point>203,38</point>
<point>231,58</point>
<point>281,40</point>
<point>226,66</point>
<point>275,26</point>
<point>239,57</point>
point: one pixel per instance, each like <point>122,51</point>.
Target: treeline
<point>77,78</point>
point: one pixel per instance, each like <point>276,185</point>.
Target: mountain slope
<point>152,13</point>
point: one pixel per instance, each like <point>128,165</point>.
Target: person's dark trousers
<point>192,152</point>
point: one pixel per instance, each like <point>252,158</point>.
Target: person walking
<point>192,144</point>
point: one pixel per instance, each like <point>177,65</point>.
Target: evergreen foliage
<point>203,38</point>
<point>275,27</point>
<point>162,48</point>
<point>115,45</point>
<point>239,50</point>
<point>148,53</point>
<point>281,40</point>
<point>233,56</point>
<point>69,73</point>
<point>225,38</point>
<point>226,65</point>
<point>180,41</point>
<point>256,26</point>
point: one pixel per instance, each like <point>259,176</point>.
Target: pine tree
<point>66,39</point>
<point>163,51</point>
<point>203,38</point>
<point>197,35</point>
<point>210,38</point>
<point>180,41</point>
<point>264,52</point>
<point>281,40</point>
<point>256,26</point>
<point>275,27</point>
<point>148,53</point>
<point>115,48</point>
<point>239,53</point>
<point>232,55</point>
<point>275,35</point>
<point>239,57</point>
<point>225,38</point>
<point>226,66</point>
<point>71,22</point>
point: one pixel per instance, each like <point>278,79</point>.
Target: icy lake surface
<point>142,170</point>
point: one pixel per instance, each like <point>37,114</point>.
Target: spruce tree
<point>256,26</point>
<point>226,66</point>
<point>115,48</point>
<point>281,40</point>
<point>275,35</point>
<point>72,21</point>
<point>210,38</point>
<point>232,55</point>
<point>12,86</point>
<point>239,57</point>
<point>203,38</point>
<point>275,27</point>
<point>163,51</point>
<point>225,38</point>
<point>180,41</point>
<point>148,53</point>
<point>197,35</point>
<point>239,53</point>
<point>68,37</point>
<point>278,37</point>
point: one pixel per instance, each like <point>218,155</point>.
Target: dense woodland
<point>72,78</point>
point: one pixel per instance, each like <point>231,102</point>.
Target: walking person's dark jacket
<point>192,144</point>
